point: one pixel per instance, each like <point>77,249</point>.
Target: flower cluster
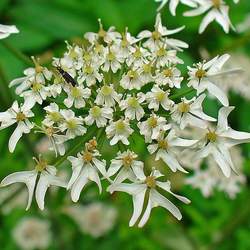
<point>114,86</point>
<point>214,10</point>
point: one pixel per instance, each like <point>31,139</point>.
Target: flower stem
<point>182,94</point>
<point>18,54</point>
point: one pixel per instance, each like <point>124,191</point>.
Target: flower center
<point>216,3</point>
<point>96,111</point>
<point>152,122</point>
<point>111,56</point>
<point>150,182</point>
<point>72,54</point>
<point>132,74</point>
<point>156,35</point>
<point>200,73</point>
<point>71,124</point>
<point>88,70</point>
<point>87,156</point>
<point>168,72</point>
<point>132,102</point>
<point>124,42</point>
<point>87,57</point>
<point>183,107</point>
<point>163,144</point>
<point>211,136</point>
<point>137,53</point>
<point>75,92</point>
<point>106,90</point>
<point>160,96</point>
<point>20,117</point>
<point>127,160</point>
<point>55,116</point>
<point>41,164</point>
<point>120,126</point>
<point>147,68</point>
<point>36,86</point>
<point>161,52</point>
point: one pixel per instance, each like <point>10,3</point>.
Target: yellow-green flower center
<point>106,90</point>
<point>120,126</point>
<point>71,124</point>
<point>111,56</point>
<point>132,74</point>
<point>88,70</point>
<point>160,96</point>
<point>55,116</point>
<point>216,3</point>
<point>87,156</point>
<point>156,35</point>
<point>127,160</point>
<point>168,72</point>
<point>41,165</point>
<point>96,111</point>
<point>183,107</point>
<point>137,53</point>
<point>36,86</point>
<point>133,102</point>
<point>163,144</point>
<point>211,136</point>
<point>75,92</point>
<point>20,117</point>
<point>152,122</point>
<point>200,73</point>
<point>147,68</point>
<point>150,182</point>
<point>161,52</point>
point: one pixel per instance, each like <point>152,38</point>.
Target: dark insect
<point>66,76</point>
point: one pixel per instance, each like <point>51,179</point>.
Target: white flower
<point>85,168</point>
<point>152,127</point>
<point>170,76</point>
<point>189,112</point>
<point>138,57</point>
<point>7,30</point>
<point>203,76</point>
<point>218,141</point>
<point>99,115</point>
<point>159,36</point>
<point>107,96</point>
<point>148,185</point>
<point>77,96</point>
<point>72,125</point>
<point>119,131</point>
<point>53,115</point>
<point>38,74</point>
<point>132,106</point>
<point>32,233</point>
<point>90,75</point>
<point>19,115</point>
<point>174,3</point>
<point>127,166</point>
<point>108,36</point>
<point>113,59</point>
<point>47,178</point>
<point>95,219</point>
<point>157,97</point>
<point>165,149</point>
<point>216,10</point>
<point>132,80</point>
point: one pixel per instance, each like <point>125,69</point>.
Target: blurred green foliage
<point>214,223</point>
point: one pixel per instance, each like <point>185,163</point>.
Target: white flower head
<point>190,113</point>
<point>86,167</point>
<point>36,184</point>
<point>99,115</point>
<point>165,149</point>
<point>19,115</point>
<point>148,185</point>
<point>132,106</point>
<point>158,98</point>
<point>119,131</point>
<point>77,96</point>
<point>152,127</point>
<point>219,140</point>
<point>72,125</point>
<point>107,96</point>
<point>127,167</point>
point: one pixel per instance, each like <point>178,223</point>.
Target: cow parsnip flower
<point>122,89</point>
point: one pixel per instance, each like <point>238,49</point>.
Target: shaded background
<point>213,223</point>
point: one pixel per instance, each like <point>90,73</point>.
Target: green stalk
<point>17,53</point>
